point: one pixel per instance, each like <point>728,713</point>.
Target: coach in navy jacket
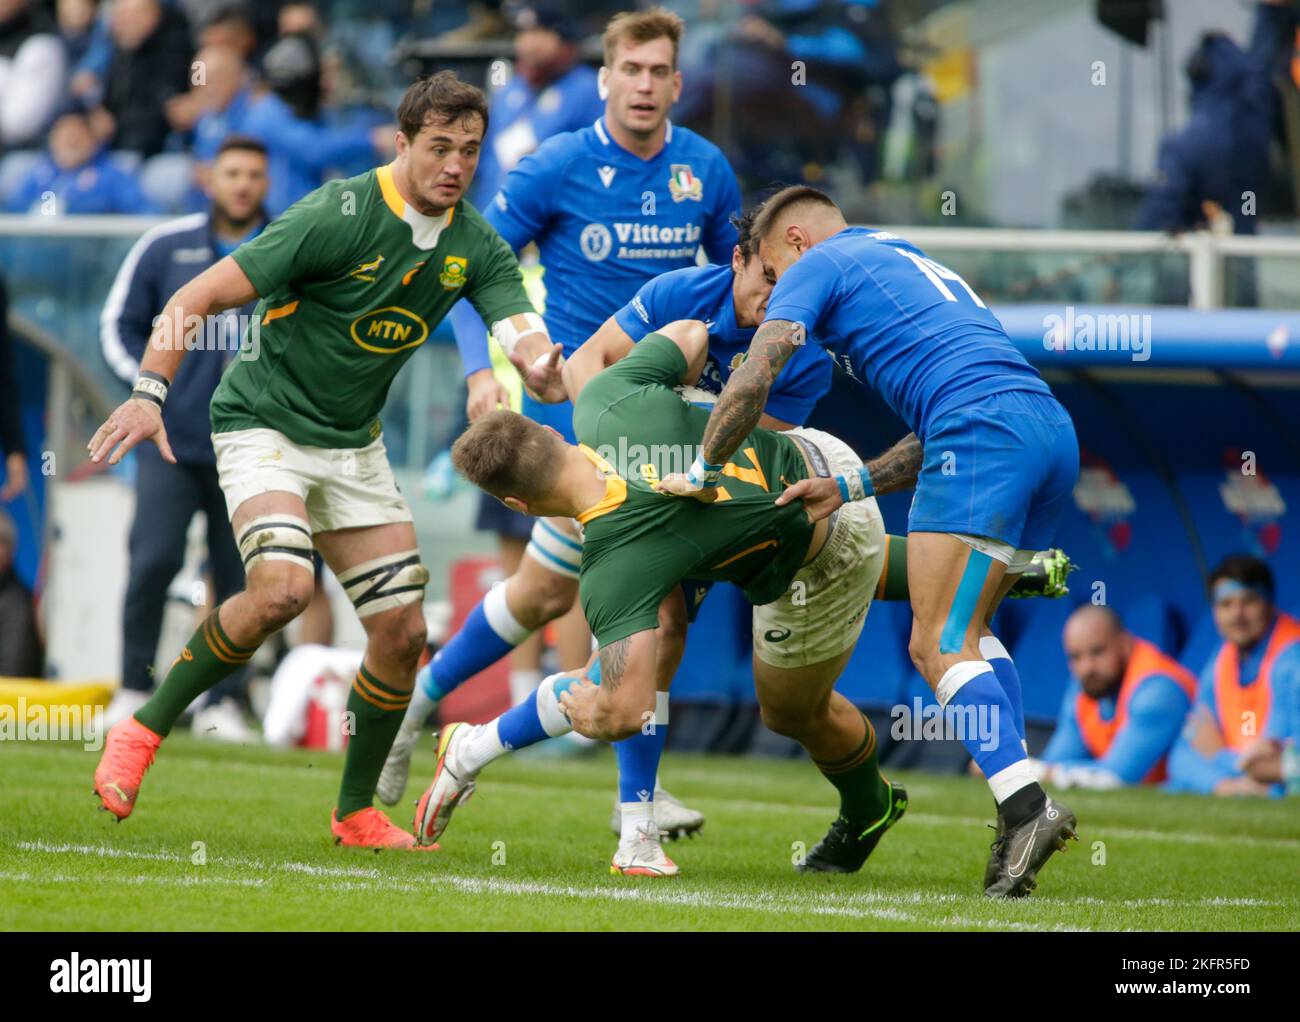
<point>167,496</point>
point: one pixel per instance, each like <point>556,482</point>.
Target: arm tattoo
<point>613,662</point>
<point>741,404</point>
<point>898,467</point>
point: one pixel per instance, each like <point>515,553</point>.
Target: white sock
<point>1009,780</point>
<point>499,618</point>
<point>523,681</point>
<point>637,816</point>
<point>480,749</point>
<point>417,712</point>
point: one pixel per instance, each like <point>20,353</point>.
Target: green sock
<point>208,657</point>
<point>378,710</point>
<point>893,576</point>
<point>864,794</point>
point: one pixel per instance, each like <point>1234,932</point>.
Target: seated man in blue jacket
<point>163,260</point>
<point>77,176</point>
<point>1123,709</point>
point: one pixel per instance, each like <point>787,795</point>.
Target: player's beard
<point>237,225</point>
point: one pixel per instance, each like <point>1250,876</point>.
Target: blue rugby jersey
<point>605,222</point>
<point>901,323</point>
<point>704,293</point>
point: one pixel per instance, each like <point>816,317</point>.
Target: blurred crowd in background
<point>117,106</point>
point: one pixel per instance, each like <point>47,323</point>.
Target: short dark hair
<point>244,143</point>
<point>228,12</point>
<point>1247,570</point>
<point>745,236</point>
<point>772,208</point>
<point>509,455</point>
<point>442,96</point>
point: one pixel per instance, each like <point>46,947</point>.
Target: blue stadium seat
<point>167,180</point>
<point>880,664</point>
<point>1040,658</point>
<point>14,168</point>
<point>1201,644</point>
<point>1150,617</point>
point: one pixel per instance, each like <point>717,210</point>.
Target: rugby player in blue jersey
<point>998,463</point>
<point>609,208</point>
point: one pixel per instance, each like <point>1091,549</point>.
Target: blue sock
<point>1008,677</point>
<point>638,763</point>
<point>521,726</point>
<point>488,634</point>
<point>989,732</point>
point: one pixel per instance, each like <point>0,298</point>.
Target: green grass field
<point>531,851</point>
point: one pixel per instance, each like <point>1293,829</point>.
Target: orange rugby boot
<point>370,828</point>
<point>129,750</point>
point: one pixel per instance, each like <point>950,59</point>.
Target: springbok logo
<point>389,330</point>
<point>367,271</point>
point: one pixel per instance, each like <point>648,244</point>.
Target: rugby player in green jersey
<point>634,422</point>
<point>810,584</point>
<point>351,280</point>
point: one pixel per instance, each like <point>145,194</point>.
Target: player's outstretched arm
<point>624,700</point>
<point>739,408</point>
<point>898,467</point>
<point>221,286</point>
<point>539,360</point>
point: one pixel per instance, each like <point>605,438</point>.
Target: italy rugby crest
<point>683,184</point>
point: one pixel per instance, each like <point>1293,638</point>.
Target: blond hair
<point>637,27</point>
<point>508,455</point>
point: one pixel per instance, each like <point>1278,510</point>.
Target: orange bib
<point>1233,700</point>
<point>1146,660</point>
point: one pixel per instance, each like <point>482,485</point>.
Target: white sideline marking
<point>925,819</point>
<point>866,905</point>
<point>854,905</point>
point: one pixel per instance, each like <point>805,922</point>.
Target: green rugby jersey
<point>639,544</point>
<point>352,281</point>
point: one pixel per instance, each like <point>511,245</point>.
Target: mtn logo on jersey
<point>389,330</point>
<point>452,276</point>
<point>683,184</point>
<point>366,271</point>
